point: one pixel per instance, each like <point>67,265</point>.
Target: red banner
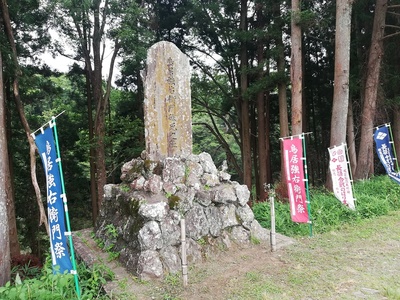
<point>294,174</point>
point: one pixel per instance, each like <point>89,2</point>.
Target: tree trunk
<point>5,259</point>
<point>20,109</point>
<point>92,150</point>
<point>396,132</point>
<point>341,77</point>
<point>262,129</point>
<point>365,157</point>
<point>244,101</point>
<point>282,95</point>
<point>351,140</point>
<point>296,69</point>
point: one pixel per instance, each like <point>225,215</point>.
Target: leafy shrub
<point>48,286</point>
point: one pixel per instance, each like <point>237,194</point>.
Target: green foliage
<point>375,197</point>
<point>48,286</point>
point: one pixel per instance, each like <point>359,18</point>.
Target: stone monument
<point>168,183</point>
<point>167,102</point>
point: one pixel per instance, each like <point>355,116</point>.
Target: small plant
<point>254,240</point>
<point>111,231</point>
<point>201,242</point>
<point>125,188</point>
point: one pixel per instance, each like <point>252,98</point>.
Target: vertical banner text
<point>339,168</point>
<point>55,207</point>
<point>294,174</point>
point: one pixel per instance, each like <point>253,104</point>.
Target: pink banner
<point>339,168</point>
<point>294,172</point>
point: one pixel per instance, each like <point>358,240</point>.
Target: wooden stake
<point>183,250</point>
<point>273,235</point>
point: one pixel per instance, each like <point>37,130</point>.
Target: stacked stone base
<point>140,218</point>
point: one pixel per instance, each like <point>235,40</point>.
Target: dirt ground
<point>361,261</point>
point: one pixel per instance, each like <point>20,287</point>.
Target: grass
<point>375,197</point>
<point>361,259</point>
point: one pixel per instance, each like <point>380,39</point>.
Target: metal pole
<point>71,245</point>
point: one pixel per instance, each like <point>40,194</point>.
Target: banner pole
<point>306,182</point>
<point>394,147</point>
<point>351,174</point>
<point>71,245</point>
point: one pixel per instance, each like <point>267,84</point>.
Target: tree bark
<point>296,69</point>
<point>20,109</point>
<point>341,77</point>
<point>396,132</point>
<point>365,157</point>
<point>5,259</point>
<point>244,101</point>
<point>351,140</point>
<point>262,125</point>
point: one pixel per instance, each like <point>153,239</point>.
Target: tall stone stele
<point>167,102</point>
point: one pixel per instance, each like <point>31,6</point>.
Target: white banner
<point>339,168</point>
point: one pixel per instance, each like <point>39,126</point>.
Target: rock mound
<point>140,218</point>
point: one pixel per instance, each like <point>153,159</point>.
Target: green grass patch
<point>374,197</point>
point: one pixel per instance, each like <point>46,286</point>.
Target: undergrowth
<point>374,197</point>
<point>45,285</point>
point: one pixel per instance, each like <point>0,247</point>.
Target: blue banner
<point>55,207</point>
<point>385,152</point>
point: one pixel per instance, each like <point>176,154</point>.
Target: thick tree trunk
<point>365,157</point>
<point>296,69</point>
<point>5,267</point>
<point>244,102</point>
<point>341,77</point>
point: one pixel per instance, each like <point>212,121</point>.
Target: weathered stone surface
<point>184,198</point>
<point>194,173</point>
<point>210,179</point>
<point>150,236</point>
<point>155,211</point>
<point>138,183</point>
<point>242,193</point>
<point>207,163</point>
<point>204,197</point>
<point>193,251</point>
<point>240,235</point>
<point>132,170</point>
<point>258,232</point>
<point>167,102</point>
<point>223,176</point>
<point>171,259</point>
<point>169,188</point>
<point>174,170</point>
<point>196,223</point>
<point>170,229</point>
<point>153,184</point>
<point>214,217</point>
<point>246,216</point>
<point>149,265</point>
<point>110,191</point>
<point>228,216</point>
<point>224,194</point>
